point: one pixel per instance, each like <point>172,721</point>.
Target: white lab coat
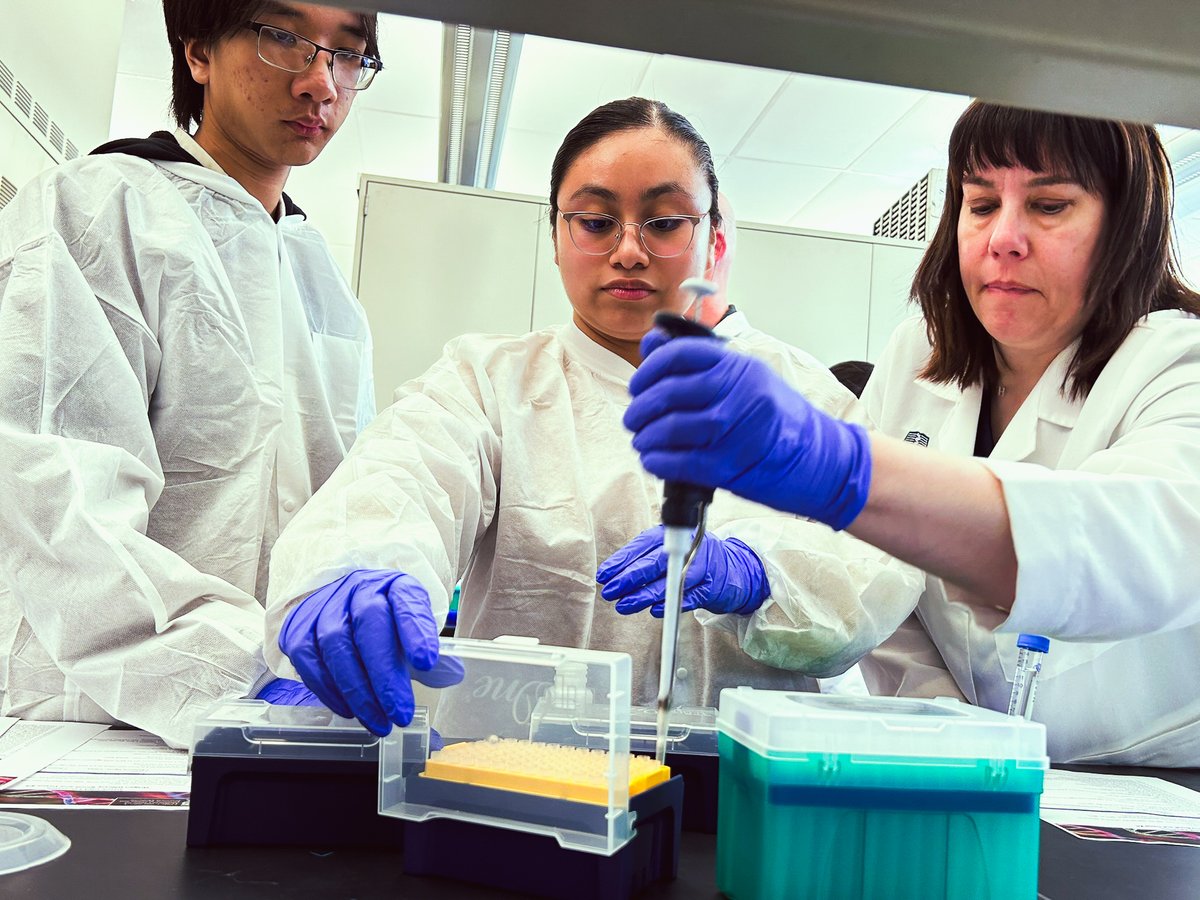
<point>508,460</point>
<point>1104,500</point>
<point>178,373</point>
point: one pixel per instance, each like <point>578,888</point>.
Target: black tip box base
<point>537,866</point>
<point>257,802</point>
<point>700,781</point>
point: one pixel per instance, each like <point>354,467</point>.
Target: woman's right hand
<point>358,642</point>
<point>704,414</point>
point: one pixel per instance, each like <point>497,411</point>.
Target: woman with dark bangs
<point>1038,450</point>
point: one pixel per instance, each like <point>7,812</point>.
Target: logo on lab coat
<point>917,437</point>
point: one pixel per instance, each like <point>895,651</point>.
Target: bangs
<point>1134,270</point>
<point>989,137</point>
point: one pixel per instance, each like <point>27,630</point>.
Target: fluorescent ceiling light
<point>479,72</point>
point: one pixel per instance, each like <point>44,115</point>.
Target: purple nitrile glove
<point>725,576</point>
<point>708,415</point>
<point>286,692</point>
<point>359,641</point>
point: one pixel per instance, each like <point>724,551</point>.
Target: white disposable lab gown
<point>508,460</point>
<point>1104,500</point>
<point>178,372</point>
<point>844,406</point>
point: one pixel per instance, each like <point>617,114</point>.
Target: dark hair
<point>853,374</point>
<point>211,21</point>
<point>628,115</point>
<point>1135,272</point>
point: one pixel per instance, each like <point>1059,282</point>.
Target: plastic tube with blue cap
<point>1031,649</point>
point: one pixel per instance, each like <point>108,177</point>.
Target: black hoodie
<point>162,146</point>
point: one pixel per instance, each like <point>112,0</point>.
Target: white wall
<point>65,52</point>
<point>21,157</point>
<point>435,261</point>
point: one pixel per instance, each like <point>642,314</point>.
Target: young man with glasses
<point>181,366</point>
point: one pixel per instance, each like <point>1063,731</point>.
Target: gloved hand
<point>286,692</point>
<point>708,415</point>
<point>359,641</point>
<point>725,576</point>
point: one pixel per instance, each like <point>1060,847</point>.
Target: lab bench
<point>142,853</point>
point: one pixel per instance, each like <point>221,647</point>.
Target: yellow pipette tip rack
<point>547,770</point>
<point>540,744</point>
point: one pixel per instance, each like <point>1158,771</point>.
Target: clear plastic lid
<point>782,723</point>
<point>690,729</point>
<point>27,841</point>
<point>259,728</point>
<point>567,707</point>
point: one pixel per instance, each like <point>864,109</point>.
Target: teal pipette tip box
<point>857,797</point>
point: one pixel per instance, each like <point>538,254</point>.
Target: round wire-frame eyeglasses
<point>666,233</point>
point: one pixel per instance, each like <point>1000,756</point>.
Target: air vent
<point>8,190</point>
<point>24,99</point>
<point>914,216</point>
<point>19,101</point>
<point>41,121</point>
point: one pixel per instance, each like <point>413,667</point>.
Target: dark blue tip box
<point>536,865</point>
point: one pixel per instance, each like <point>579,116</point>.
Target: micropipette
<point>684,510</point>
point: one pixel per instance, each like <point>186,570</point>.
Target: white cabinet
<point>893,265</point>
<point>813,292</point>
<point>550,304</point>
<point>434,261</point>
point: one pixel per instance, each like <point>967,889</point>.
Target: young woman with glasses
<point>506,465</point>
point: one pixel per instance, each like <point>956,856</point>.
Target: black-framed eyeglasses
<point>284,50</point>
<point>597,234</point>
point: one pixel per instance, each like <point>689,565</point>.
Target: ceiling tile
<point>850,203</point>
<point>398,146</point>
<point>825,121</point>
<point>768,192</point>
<point>525,162</point>
<point>1183,148</point>
<point>917,142</point>
<point>1168,133</point>
<point>411,80</point>
<point>720,99</point>
<point>560,82</point>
